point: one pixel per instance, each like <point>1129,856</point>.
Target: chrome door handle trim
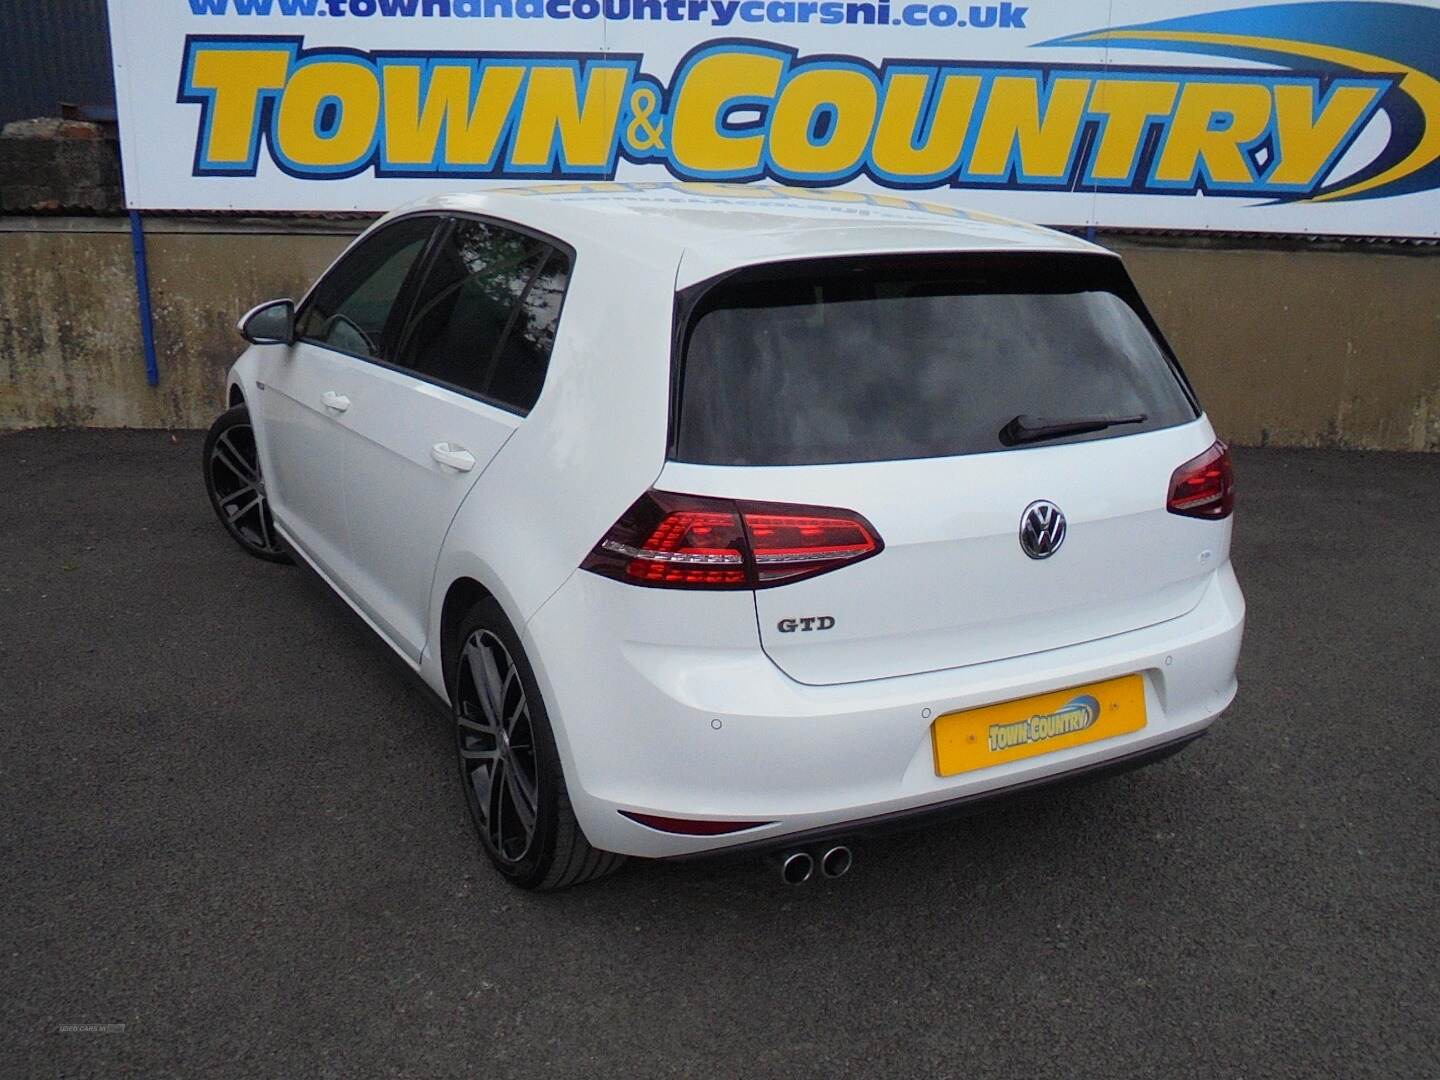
<point>332,400</point>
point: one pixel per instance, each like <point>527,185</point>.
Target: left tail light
<point>667,540</point>
<point>1204,487</point>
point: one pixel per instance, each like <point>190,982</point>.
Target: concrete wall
<point>1303,347</point>
<point>70,349</point>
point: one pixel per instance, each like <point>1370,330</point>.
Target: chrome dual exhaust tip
<point>836,862</point>
<point>798,867</point>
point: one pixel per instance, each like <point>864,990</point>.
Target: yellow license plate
<point>1029,727</point>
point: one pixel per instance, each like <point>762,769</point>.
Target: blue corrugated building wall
<point>53,51</point>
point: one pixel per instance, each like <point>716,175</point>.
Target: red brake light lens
<point>1204,487</point>
<point>692,547</point>
<point>786,545</point>
<point>679,541</point>
<point>696,542</point>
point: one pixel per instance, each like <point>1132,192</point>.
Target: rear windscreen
<point>884,359</point>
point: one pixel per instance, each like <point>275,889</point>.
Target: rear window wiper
<point>1029,429</point>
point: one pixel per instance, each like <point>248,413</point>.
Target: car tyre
<point>509,766</point>
<point>236,487</point>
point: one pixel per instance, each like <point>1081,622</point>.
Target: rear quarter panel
<point>593,443</point>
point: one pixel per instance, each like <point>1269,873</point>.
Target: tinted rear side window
<point>876,360</point>
<point>519,367</point>
<point>485,318</point>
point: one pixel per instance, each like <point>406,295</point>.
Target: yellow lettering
<point>236,78</point>
<point>1128,107</point>
<point>1306,142</point>
<point>895,151</point>
<point>354,92</point>
<point>413,127</point>
<point>697,142</point>
<point>553,111</point>
<point>851,100</point>
<point>1012,116</point>
<point>1194,141</point>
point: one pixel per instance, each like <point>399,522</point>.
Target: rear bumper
<point>920,816</point>
<point>714,730</point>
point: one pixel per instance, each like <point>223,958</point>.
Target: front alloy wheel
<point>236,487</point>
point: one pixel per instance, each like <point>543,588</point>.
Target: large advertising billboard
<point>1319,117</point>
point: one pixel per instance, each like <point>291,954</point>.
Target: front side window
<point>351,306</point>
<point>484,319</point>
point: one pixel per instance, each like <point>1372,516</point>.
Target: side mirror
<point>271,323</point>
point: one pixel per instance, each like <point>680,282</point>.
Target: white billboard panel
<point>1318,117</point>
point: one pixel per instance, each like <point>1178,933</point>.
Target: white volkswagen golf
<point>732,517</point>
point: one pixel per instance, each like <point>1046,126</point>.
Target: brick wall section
<point>59,165</point>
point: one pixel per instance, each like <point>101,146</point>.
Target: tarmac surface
<point>229,823</point>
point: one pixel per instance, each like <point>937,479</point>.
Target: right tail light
<point>1204,487</point>
<point>667,540</point>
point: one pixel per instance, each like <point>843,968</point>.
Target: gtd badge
<point>1042,529</point>
<point>810,622</point>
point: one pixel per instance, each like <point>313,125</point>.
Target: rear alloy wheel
<point>509,765</point>
<point>236,487</point>
<point>497,747</point>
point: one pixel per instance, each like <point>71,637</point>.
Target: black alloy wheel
<point>496,743</point>
<point>236,487</point>
<point>509,765</point>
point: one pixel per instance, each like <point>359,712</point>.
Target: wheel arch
<point>462,594</point>
<point>234,396</point>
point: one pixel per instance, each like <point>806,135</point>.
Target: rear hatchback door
<point>891,388</point>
